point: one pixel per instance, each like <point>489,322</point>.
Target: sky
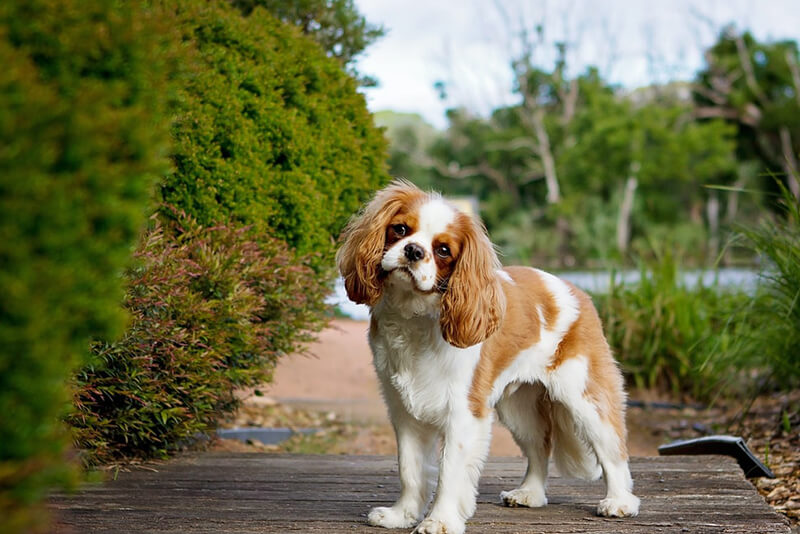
<point>468,44</point>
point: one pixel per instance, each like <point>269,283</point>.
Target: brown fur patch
<point>407,216</point>
<point>604,386</point>
<point>473,304</point>
<point>519,330</point>
<point>364,239</point>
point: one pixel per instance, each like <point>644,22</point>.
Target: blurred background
<point>588,131</point>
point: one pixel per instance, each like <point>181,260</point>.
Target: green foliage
<point>754,86</point>
<point>704,341</point>
<point>269,132</point>
<point>335,24</point>
<point>597,143</point>
<point>81,141</point>
<point>410,138</point>
<point>775,311</point>
<point>211,311</point>
<point>670,336</point>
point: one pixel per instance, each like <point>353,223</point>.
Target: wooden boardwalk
<point>258,493</point>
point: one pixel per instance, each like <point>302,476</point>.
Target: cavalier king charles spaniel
<point>455,336</point>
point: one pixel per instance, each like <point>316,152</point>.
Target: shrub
<point>270,132</point>
<point>81,140</point>
<point>670,336</point>
<point>211,311</point>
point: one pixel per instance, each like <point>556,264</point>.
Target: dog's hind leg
<point>526,413</point>
<point>598,417</point>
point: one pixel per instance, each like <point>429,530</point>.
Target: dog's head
<point>419,239</point>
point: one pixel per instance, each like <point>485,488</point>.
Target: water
<point>591,281</point>
<point>728,278</point>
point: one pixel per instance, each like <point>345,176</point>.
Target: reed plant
<point>668,334</point>
<point>774,312</point>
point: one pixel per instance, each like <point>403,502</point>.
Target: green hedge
<point>212,311</point>
<point>270,132</point>
<point>81,142</point>
<point>273,151</point>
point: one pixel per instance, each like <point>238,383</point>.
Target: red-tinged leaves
<point>211,311</point>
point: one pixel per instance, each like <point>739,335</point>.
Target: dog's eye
<point>443,251</point>
<point>400,229</point>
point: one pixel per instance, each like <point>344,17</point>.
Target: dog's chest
<point>430,377</point>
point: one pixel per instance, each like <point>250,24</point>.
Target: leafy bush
<point>672,337</point>
<point>212,310</point>
<point>81,141</point>
<point>270,132</point>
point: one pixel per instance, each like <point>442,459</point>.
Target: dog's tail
<point>572,453</point>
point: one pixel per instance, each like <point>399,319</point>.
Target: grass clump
<point>704,340</point>
<point>211,310</point>
<point>775,311</point>
<point>668,335</point>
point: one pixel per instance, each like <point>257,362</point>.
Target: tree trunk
<point>790,162</point>
<point>546,153</point>
<point>624,220</point>
<point>732,208</point>
<point>712,213</point>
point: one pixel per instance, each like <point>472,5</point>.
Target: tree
<point>410,139</point>
<point>269,132</point>
<point>577,170</point>
<point>756,87</point>
<point>335,24</point>
<point>83,136</point>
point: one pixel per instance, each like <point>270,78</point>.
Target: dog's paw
<point>523,497</point>
<point>384,516</point>
<point>434,526</point>
<point>624,506</point>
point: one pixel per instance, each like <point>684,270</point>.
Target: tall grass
<point>704,341</point>
<point>670,336</point>
<point>775,311</point>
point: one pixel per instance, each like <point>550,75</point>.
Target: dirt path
<point>338,376</point>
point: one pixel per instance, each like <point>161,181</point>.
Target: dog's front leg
<point>416,454</point>
<point>466,444</point>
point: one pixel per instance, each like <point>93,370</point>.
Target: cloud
<point>468,43</point>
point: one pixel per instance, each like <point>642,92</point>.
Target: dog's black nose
<point>414,252</point>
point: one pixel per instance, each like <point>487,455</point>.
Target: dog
<point>456,336</point>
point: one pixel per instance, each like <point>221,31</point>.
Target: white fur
<point>505,276</point>
<point>434,218</point>
<point>425,383</point>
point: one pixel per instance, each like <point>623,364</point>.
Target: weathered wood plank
<point>236,493</point>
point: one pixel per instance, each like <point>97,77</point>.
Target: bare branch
<point>715,96</point>
<point>790,161</point>
<point>625,210</point>
<point>792,62</point>
<point>514,144</point>
<point>747,66</point>
<point>750,118</point>
<point>570,99</point>
<point>545,152</point>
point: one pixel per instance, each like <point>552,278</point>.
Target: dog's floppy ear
<point>364,238</point>
<point>473,305</point>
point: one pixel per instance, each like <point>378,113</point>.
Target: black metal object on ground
<point>726,445</point>
<point>268,436</point>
